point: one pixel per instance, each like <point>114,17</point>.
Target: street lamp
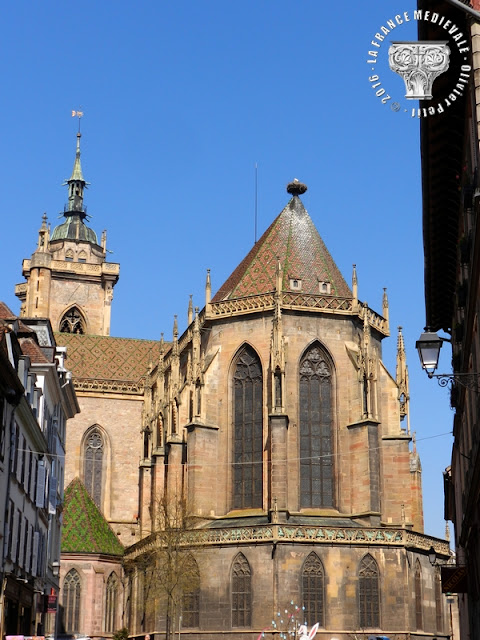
<point>428,347</point>
<point>432,556</point>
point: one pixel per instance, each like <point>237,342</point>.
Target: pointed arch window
<point>313,586</point>
<point>191,596</point>
<point>93,472</point>
<point>418,596</point>
<point>241,592</point>
<point>72,322</point>
<point>368,593</point>
<point>111,603</point>
<point>248,431</point>
<point>316,438</point>
<point>71,602</point>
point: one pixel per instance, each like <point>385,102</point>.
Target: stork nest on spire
<point>296,188</point>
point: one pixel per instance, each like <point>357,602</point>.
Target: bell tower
<point>68,279</point>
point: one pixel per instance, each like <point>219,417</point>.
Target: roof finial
<point>296,188</point>
<point>208,288</point>
<point>190,310</point>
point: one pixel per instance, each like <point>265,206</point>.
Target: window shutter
<point>28,558</point>
<point>22,524</point>
<point>36,539</point>
<point>13,550</point>
<point>7,531</point>
<point>52,496</point>
<point>33,481</point>
<point>41,479</point>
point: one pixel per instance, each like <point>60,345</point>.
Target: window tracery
<point>368,593</point>
<point>313,585</point>
<point>111,600</point>
<point>72,322</point>
<point>316,438</point>
<point>71,602</point>
<point>241,592</point>
<point>248,431</point>
<point>93,470</point>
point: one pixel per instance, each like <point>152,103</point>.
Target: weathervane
<point>78,114</point>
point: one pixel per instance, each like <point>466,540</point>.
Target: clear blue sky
<point>181,99</point>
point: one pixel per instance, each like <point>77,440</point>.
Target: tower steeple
<point>76,184</point>
<point>68,278</point>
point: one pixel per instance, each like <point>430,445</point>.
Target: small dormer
<point>325,287</point>
<point>295,283</point>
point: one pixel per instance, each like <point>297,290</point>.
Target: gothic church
<point>272,419</point>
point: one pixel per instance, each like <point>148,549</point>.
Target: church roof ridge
<point>85,529</point>
<point>293,240</point>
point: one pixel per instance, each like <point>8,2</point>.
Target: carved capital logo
<point>419,64</point>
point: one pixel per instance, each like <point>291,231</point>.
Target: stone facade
<point>274,423</point>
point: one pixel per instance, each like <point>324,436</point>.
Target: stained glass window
<point>111,600</point>
<point>368,593</point>
<point>71,602</point>
<point>248,431</point>
<point>241,592</point>
<point>94,449</point>
<point>191,598</point>
<point>316,440</point>
<point>313,585</point>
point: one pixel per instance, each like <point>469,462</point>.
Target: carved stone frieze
<point>275,533</point>
<point>111,386</point>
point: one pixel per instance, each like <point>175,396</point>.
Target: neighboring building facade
<point>36,400</point>
<point>272,419</point>
<point>451,205</point>
<point>69,279</point>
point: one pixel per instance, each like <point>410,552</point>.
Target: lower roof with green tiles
<point>85,530</point>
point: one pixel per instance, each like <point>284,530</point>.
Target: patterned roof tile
<point>107,358</point>
<point>85,530</point>
<point>293,239</point>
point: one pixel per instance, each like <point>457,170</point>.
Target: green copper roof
<point>74,229</point>
<point>85,530</point>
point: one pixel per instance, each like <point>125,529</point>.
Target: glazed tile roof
<point>293,239</point>
<point>107,358</point>
<point>85,530</point>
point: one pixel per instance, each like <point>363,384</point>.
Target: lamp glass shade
<point>428,347</point>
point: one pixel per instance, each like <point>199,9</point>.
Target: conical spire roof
<point>77,167</point>
<point>85,530</point>
<point>293,240</point>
